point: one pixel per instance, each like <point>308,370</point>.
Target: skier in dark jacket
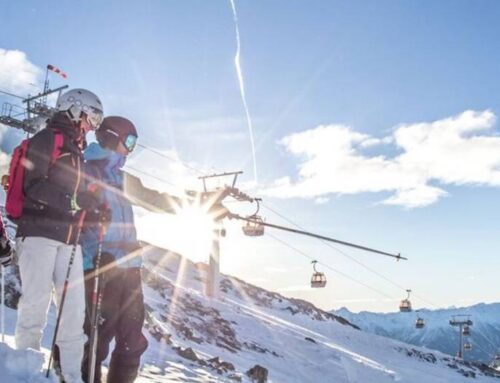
<point>122,308</point>
<point>6,250</point>
<point>53,195</point>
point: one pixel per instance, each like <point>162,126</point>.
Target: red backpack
<point>15,184</point>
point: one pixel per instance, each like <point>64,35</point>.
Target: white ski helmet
<point>77,101</point>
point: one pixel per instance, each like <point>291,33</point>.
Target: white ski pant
<point>43,263</point>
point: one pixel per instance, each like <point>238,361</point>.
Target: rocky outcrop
<point>463,367</point>
<point>187,353</point>
<point>258,374</point>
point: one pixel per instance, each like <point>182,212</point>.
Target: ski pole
<point>3,304</point>
<point>96,308</point>
<point>65,288</point>
<point>2,308</point>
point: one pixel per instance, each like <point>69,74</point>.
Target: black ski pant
<point>122,317</point>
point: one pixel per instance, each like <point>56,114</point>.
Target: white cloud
<point>17,73</point>
<point>459,150</point>
<point>321,200</point>
<point>416,197</point>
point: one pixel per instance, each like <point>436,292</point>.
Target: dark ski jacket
<point>50,188</point>
<point>121,190</point>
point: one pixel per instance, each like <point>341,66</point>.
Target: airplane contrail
<point>242,88</point>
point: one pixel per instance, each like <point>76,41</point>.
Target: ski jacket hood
<point>120,240</point>
<point>60,121</point>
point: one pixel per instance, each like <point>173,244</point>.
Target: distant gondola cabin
<point>466,330</point>
<point>420,323</point>
<point>405,306</point>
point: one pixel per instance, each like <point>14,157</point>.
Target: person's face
<point>121,149</point>
<point>85,126</point>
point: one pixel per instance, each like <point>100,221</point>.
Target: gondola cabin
<point>466,330</point>
<point>467,346</point>
<point>405,306</point>
<point>254,228</point>
<point>420,323</point>
<point>318,280</point>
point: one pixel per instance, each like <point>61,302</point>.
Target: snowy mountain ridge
<point>437,333</point>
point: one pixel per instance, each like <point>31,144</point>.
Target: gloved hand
<point>6,252</point>
<point>88,200</point>
<point>105,215</point>
<point>101,214</point>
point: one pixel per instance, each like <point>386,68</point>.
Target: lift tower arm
<point>307,233</point>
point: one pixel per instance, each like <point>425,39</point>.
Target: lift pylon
<point>30,117</point>
<point>462,321</point>
<point>217,195</point>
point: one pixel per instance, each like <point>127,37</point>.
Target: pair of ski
<point>96,300</point>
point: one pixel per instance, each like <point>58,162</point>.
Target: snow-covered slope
<point>294,340</point>
<point>437,333</point>
<point>195,339</point>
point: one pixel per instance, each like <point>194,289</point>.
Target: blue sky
<point>360,69</point>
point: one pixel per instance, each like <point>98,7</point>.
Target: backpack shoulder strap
<point>58,145</point>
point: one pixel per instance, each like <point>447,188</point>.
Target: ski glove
<point>88,200</point>
<point>6,253</point>
<point>101,214</point>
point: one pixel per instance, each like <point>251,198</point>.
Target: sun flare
<point>189,232</point>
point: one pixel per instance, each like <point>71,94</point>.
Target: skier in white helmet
<point>47,234</point>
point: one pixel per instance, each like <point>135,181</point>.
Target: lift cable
<point>11,94</point>
<point>474,334</point>
<point>322,237</point>
<point>288,245</point>
<point>149,175</point>
<point>170,158</point>
<point>266,205</point>
<point>329,267</point>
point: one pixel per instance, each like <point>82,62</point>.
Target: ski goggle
<point>129,142</point>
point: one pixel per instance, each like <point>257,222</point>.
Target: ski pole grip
<point>82,218</point>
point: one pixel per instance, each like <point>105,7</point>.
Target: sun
<point>189,232</point>
<point>197,232</point>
